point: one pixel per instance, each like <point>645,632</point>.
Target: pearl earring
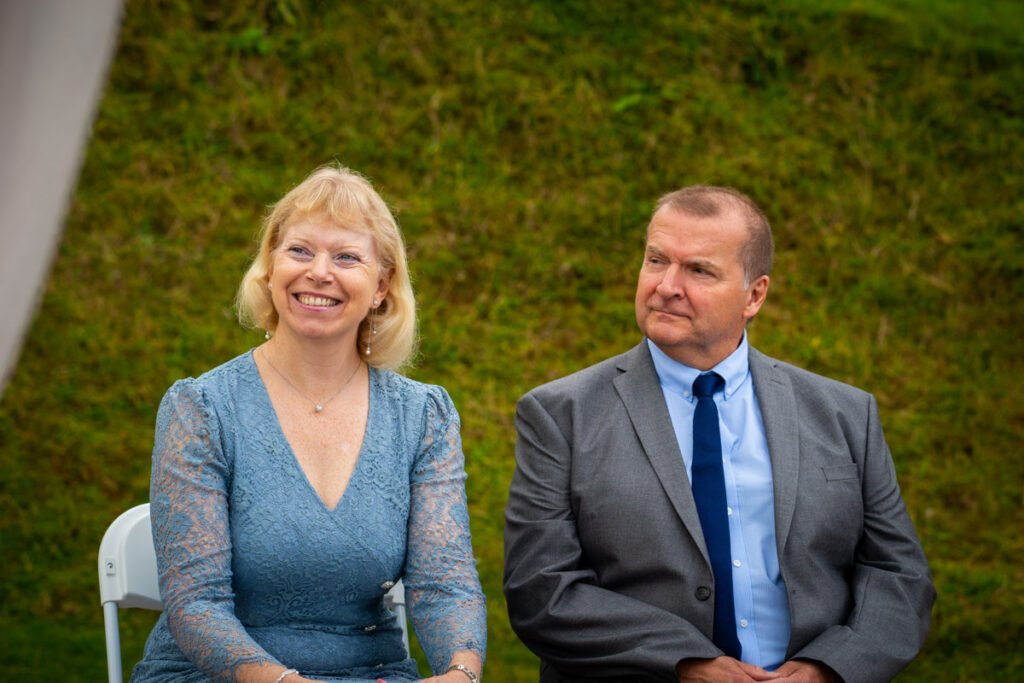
<point>373,325</point>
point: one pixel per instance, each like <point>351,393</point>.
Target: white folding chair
<point>394,600</point>
<point>127,566</point>
<point>128,578</point>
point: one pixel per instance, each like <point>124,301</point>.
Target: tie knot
<point>707,384</point>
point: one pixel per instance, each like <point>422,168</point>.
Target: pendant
<point>319,408</point>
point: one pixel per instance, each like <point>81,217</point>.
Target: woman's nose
<point>320,267</point>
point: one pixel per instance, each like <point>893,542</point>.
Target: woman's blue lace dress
<point>255,568</point>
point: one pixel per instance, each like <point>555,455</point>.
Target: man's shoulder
<point>803,381</point>
<point>589,380</point>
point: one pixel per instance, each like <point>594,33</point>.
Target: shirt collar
<point>678,378</point>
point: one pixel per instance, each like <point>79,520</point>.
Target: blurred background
<point>522,145</point>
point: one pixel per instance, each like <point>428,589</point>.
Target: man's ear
<point>756,295</point>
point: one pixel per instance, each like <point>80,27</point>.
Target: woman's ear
<point>382,286</point>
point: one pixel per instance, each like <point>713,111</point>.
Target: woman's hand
<point>450,677</point>
<point>466,658</point>
<point>266,672</point>
<point>296,678</point>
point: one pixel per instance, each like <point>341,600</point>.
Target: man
<point>693,510</point>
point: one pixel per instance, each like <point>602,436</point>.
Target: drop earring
<point>373,326</point>
<point>266,333</point>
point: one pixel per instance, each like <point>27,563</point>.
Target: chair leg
<point>111,626</point>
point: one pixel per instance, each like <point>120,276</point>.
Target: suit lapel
<point>782,428</point>
<point>640,391</point>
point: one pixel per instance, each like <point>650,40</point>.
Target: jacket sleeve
<point>555,602</point>
<point>891,587</point>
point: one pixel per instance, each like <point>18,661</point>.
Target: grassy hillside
<point>522,144</point>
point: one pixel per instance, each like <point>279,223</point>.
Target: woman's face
<point>323,280</point>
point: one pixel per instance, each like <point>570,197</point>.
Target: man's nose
<point>671,284</point>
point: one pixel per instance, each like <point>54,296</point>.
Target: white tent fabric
<point>53,64</point>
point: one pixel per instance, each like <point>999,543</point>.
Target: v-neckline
<point>356,469</point>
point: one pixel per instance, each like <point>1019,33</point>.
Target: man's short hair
<point>708,201</point>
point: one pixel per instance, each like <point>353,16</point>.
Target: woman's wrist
<point>467,672</point>
<point>267,672</point>
<point>285,674</point>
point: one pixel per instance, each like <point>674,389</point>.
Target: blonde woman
<point>293,485</point>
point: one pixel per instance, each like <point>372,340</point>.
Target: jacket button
<point>702,593</point>
<point>388,585</point>
<point>370,628</point>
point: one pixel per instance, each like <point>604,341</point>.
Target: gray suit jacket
<point>606,573</point>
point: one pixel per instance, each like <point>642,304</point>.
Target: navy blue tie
<point>709,493</point>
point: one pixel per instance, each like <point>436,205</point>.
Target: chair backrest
<point>394,600</point>
<point>128,578</point>
<point>127,563</point>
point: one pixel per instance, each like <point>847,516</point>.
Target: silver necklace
<point>318,406</point>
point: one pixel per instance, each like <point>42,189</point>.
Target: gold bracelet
<point>466,670</point>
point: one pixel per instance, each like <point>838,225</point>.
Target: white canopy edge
<point>54,56</point>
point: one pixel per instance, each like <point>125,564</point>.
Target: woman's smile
<point>316,300</point>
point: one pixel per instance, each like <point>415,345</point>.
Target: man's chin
<point>669,341</point>
<point>668,326</point>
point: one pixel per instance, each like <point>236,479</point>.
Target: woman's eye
<point>298,251</point>
<point>347,258</point>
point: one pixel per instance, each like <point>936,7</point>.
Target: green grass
<point>522,144</point>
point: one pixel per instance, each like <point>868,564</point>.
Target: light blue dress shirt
<point>762,607</point>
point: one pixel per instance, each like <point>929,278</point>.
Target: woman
<point>293,485</point>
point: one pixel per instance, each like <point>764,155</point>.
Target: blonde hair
<point>345,198</point>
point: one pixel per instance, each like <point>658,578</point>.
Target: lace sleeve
<point>189,508</point>
<point>446,602</point>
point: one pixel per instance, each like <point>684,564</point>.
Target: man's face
<point>690,298</point>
